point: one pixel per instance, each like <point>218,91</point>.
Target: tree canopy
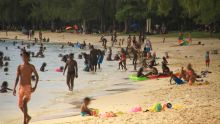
<point>107,15</point>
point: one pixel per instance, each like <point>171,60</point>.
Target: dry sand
<point>200,103</point>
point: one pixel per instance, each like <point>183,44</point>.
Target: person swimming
<point>85,111</point>
<point>42,68</point>
<point>4,87</point>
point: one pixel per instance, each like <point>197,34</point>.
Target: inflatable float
<point>135,78</point>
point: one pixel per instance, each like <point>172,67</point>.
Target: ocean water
<point>52,98</point>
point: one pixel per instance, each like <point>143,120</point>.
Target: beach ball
<point>169,105</point>
<point>157,107</point>
<point>164,106</point>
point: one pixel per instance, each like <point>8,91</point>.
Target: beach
<point>197,104</point>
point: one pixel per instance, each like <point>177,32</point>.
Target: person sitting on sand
<point>165,60</point>
<point>85,111</point>
<point>4,87</point>
<point>190,74</point>
<point>175,78</point>
<point>72,73</point>
<point>153,71</point>
<point>182,74</point>
<point>140,72</point>
<point>165,68</point>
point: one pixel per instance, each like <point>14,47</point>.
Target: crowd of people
<point>138,50</point>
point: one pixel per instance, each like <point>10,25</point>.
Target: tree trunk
<point>148,25</point>
<point>126,26</point>
<point>52,26</point>
<point>101,25</point>
<point>84,27</point>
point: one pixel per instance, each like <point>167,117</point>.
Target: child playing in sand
<point>85,111</point>
<point>24,73</point>
<point>207,59</point>
<point>4,87</point>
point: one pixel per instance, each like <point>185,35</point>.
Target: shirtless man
<point>71,73</point>
<point>24,73</point>
<point>94,58</point>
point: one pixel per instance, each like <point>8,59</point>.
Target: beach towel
<point>135,78</point>
<point>156,76</point>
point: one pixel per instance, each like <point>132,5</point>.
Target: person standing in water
<point>93,58</point>
<point>24,74</point>
<point>72,72</point>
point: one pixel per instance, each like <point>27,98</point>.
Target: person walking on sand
<point>72,72</point>
<point>207,59</point>
<point>24,74</point>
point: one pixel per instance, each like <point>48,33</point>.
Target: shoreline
<point>200,102</point>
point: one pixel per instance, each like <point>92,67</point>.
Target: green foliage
<point>105,12</point>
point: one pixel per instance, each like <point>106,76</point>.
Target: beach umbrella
<point>68,27</point>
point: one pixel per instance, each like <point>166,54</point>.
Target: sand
<point>199,103</point>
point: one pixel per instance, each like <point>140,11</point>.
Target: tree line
<point>108,15</point>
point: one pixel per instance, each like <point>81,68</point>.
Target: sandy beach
<point>198,104</point>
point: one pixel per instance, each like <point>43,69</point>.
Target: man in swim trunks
<point>72,72</point>
<point>93,58</point>
<point>24,73</point>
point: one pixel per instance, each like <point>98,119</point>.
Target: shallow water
<point>52,98</point>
